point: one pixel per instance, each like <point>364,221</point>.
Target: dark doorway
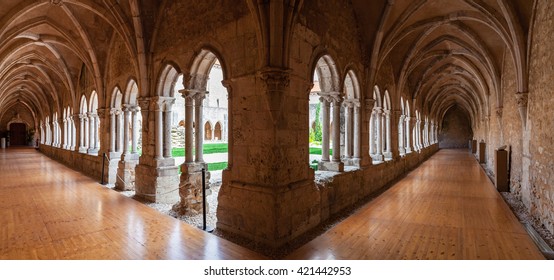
<point>18,134</point>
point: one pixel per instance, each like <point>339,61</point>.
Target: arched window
<point>386,131</point>
<point>376,137</point>
<point>407,135</point>
<point>217,131</point>
<point>401,147</point>
<point>353,119</point>
<point>132,135</point>
<point>83,126</point>
<point>208,131</point>
<point>116,122</point>
<point>94,124</point>
<point>326,87</point>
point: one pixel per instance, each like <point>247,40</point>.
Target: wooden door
<point>18,134</point>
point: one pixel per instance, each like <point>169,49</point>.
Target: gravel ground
<point>194,220</point>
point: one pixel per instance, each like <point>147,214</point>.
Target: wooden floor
<point>48,211</point>
<point>445,209</point>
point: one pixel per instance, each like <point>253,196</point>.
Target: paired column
<point>189,103</point>
<point>379,131</point>
<point>158,128</point>
<point>357,132</point>
<point>401,147</point>
<point>325,112</point>
<point>388,148</point>
<point>113,134</point>
<point>348,105</point>
<point>167,126</point>
<point>408,135</point>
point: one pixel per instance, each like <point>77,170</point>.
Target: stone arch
<point>352,133</point>
<point>218,131</point>
<point>208,131</point>
<point>167,80</point>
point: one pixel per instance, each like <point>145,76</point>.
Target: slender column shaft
<point>159,133</point>
<point>401,147</point>
<point>91,132</point>
<point>188,129</point>
<point>126,121</point>
<point>349,134</point>
<point>325,130</point>
<point>388,132</point>
<point>134,137</point>
<point>198,129</point>
<point>408,136</point>
<point>95,130</point>
<point>167,133</point>
<point>336,130</point>
<point>73,134</point>
<point>356,132</point>
<point>81,132</point>
<point>372,133</point>
<point>112,131</point>
<point>379,144</point>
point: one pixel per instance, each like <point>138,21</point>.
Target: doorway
<point>18,134</point>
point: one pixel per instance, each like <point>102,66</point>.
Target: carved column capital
<point>369,104</point>
<point>144,103</point>
<point>275,83</point>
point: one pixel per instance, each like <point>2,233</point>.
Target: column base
<point>111,170</point>
<point>268,216</point>
<point>190,188</point>
<point>353,162</point>
<point>92,151</point>
<point>157,184</point>
<point>378,158</point>
<point>330,166</point>
<point>387,155</point>
<point>126,175</point>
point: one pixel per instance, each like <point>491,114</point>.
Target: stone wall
<point>88,164</point>
<point>455,130</point>
<point>540,122</point>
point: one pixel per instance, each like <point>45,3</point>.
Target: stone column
<point>126,122</point>
<point>199,128</point>
<point>134,127</point>
<point>64,121</point>
<point>119,131</point>
<point>112,130</point>
<point>73,133</point>
<point>388,148</point>
<point>357,132</point>
<point>81,132</point>
<point>189,100</point>
<point>91,128</point>
<point>158,123</point>
<point>408,136</point>
<point>168,101</point>
<point>349,126</point>
<point>336,128</point>
<point>372,133</point>
<point>96,136</point>
<point>378,155</point>
<point>325,129</point>
<point>401,147</point>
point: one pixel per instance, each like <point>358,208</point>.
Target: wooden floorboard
<point>445,209</point>
<point>48,211</point>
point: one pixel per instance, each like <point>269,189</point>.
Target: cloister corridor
<point>445,209</point>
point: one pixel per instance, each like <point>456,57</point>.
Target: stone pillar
<point>348,153</point>
<point>81,133</point>
<point>335,164</point>
<point>167,126</point>
<point>378,155</point>
<point>336,129</point>
<point>388,148</point>
<point>112,130</point>
<point>408,136</point>
<point>120,132</point>
<point>158,137</point>
<point>372,133</point>
<point>134,127</point>
<point>199,129</point>
<point>325,112</point>
<point>126,128</point>
<point>157,179</point>
<point>357,133</point>
<point>91,133</point>
<point>65,133</point>
<point>188,124</point>
<point>73,133</point>
<point>401,131</point>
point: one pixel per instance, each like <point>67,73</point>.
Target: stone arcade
<point>395,80</point>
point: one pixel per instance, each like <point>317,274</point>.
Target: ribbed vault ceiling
<point>443,53</point>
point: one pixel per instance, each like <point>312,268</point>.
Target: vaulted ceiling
<point>443,53</point>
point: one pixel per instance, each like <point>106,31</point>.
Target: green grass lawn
<point>213,166</point>
<point>208,149</point>
<point>317,151</point>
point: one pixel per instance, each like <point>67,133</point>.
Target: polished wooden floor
<point>48,211</point>
<point>445,209</point>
